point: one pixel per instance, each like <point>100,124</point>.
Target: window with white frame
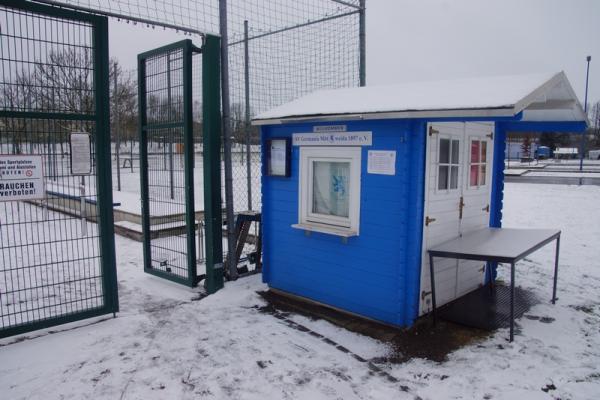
<point>448,163</point>
<point>329,188</point>
<point>477,163</point>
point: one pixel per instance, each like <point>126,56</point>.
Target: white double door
<point>457,198</point>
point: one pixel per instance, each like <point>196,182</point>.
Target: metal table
<point>502,245</point>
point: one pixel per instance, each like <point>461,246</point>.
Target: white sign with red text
<point>21,177</point>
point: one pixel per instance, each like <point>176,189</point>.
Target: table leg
<point>490,276</point>
<point>432,277</point>
<point>512,301</point>
<point>555,269</point>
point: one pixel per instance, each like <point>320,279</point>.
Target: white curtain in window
<point>331,188</point>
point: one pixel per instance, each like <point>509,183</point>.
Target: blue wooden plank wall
<point>375,274</point>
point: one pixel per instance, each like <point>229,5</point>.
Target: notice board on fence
<point>81,153</point>
<point>21,177</point>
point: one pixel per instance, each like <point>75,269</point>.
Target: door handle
<point>461,205</point>
<point>428,220</point>
<point>486,208</point>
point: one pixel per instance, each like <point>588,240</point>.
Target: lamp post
<point>582,145</point>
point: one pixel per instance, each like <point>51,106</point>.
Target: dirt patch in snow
<point>423,340</point>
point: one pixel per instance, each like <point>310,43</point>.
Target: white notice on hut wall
<point>277,163</point>
<point>81,154</point>
<point>381,162</point>
<point>21,177</point>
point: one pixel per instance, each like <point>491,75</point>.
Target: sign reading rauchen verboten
<point>21,177</point>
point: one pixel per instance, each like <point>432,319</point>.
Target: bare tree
<point>64,82</point>
<point>16,96</point>
<point>239,128</point>
<point>594,117</point>
<point>526,147</point>
<point>123,102</point>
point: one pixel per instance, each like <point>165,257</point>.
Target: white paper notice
<point>81,154</point>
<point>381,162</point>
<point>21,178</point>
<point>277,162</point>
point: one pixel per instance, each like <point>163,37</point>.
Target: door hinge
<point>428,220</point>
<point>461,206</point>
<point>432,131</point>
<point>490,135</point>
<point>486,208</point>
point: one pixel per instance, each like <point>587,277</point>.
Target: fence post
<point>211,159</point>
<point>247,119</point>
<point>116,129</point>
<point>169,118</point>
<point>362,37</point>
<point>143,154</point>
<point>82,212</point>
<point>131,154</point>
<point>188,162</point>
<point>227,136</point>
<point>103,165</point>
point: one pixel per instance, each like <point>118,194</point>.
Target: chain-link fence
<point>278,51</point>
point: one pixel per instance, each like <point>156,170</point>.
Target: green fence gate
<point>57,256</point>
<point>171,210</point>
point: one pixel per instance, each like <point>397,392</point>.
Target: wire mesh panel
<point>278,50</point>
<point>56,243</point>
<point>287,51</point>
<point>294,47</point>
<point>167,162</point>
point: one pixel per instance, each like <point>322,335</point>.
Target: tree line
<point>63,83</point>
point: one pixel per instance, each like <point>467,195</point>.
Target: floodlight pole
<point>582,144</point>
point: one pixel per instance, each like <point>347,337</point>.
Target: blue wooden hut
<point>358,183</point>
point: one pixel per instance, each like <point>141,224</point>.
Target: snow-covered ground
<point>164,345</point>
<point>128,198</point>
<point>129,195</point>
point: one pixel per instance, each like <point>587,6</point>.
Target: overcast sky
<point>438,39</point>
<point>416,40</point>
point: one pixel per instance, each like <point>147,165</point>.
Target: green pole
<point>211,112</point>
<point>143,150</point>
<point>103,165</point>
<point>189,163</point>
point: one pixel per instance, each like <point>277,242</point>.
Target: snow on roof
<point>492,96</point>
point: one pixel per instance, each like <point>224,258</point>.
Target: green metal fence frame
<point>212,177</point>
<point>103,161</point>
<point>212,132</point>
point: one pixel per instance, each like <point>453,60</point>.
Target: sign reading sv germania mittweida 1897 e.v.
<point>332,139</point>
<point>21,177</point>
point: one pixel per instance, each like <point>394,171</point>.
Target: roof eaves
<point>503,111</point>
